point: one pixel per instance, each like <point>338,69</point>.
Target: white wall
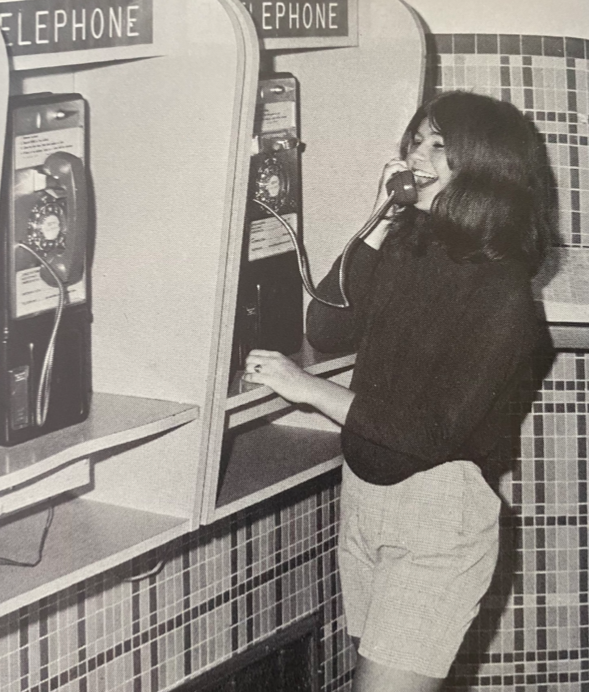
<point>532,17</point>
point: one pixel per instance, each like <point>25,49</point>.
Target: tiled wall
<point>233,583</point>
<point>533,628</point>
<point>533,631</point>
<point>222,588</point>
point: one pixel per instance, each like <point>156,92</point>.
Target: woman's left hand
<point>291,382</point>
<point>279,373</point>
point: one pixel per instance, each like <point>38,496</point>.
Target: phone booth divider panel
<point>353,103</point>
<point>166,193</point>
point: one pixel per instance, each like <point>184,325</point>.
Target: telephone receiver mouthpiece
<point>401,188</point>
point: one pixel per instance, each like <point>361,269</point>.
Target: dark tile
<point>505,76</point>
<point>444,43</point>
<point>574,157</point>
<point>527,60</point>
<point>487,43</point>
<point>575,200</point>
<point>528,77</point>
<point>562,117</point>
<point>506,95</point>
<point>553,46</point>
<point>531,45</point>
<point>464,43</point>
<point>575,48</point>
<point>570,62</point>
<point>510,44</point>
<point>572,100</point>
<point>571,79</point>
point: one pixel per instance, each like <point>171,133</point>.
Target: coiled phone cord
<point>44,389</point>
<point>303,262</point>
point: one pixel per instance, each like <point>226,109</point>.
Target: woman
<point>443,319</point>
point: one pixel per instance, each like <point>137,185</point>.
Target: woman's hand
<point>395,165</point>
<point>279,373</point>
<point>291,382</point>
<point>376,238</point>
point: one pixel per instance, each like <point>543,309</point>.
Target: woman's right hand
<point>395,165</point>
<point>376,238</point>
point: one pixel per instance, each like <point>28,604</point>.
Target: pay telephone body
<point>269,311</point>
<point>44,294</point>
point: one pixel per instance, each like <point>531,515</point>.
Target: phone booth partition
<point>324,120</point>
<point>111,229</point>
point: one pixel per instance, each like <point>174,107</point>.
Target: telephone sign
<point>32,27</point>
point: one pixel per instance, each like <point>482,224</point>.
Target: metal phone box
<point>45,313</point>
<point>270,298</point>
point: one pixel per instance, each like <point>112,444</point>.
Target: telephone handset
<point>45,358</point>
<point>58,221</point>
<point>401,189</point>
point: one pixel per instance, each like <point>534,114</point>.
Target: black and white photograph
<point>294,356</point>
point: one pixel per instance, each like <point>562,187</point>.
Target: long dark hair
<point>497,203</point>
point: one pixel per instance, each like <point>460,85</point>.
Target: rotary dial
<point>46,226</point>
<point>271,184</point>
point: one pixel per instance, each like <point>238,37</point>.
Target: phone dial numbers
<point>271,183</point>
<point>46,224</point>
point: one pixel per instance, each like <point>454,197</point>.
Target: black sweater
<point>441,346</point>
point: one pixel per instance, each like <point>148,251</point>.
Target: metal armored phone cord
<point>302,260</point>
<point>44,389</point>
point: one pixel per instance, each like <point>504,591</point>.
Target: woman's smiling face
<point>427,160</point>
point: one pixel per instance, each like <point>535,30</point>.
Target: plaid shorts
<point>415,560</point>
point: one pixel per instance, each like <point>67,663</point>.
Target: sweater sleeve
<point>331,329</point>
<point>429,426</point>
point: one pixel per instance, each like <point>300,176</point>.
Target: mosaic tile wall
<point>231,584</point>
<point>223,588</point>
<point>532,633</point>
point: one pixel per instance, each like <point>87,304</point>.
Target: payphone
<point>44,294</point>
<point>274,266</point>
<point>270,296</point>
